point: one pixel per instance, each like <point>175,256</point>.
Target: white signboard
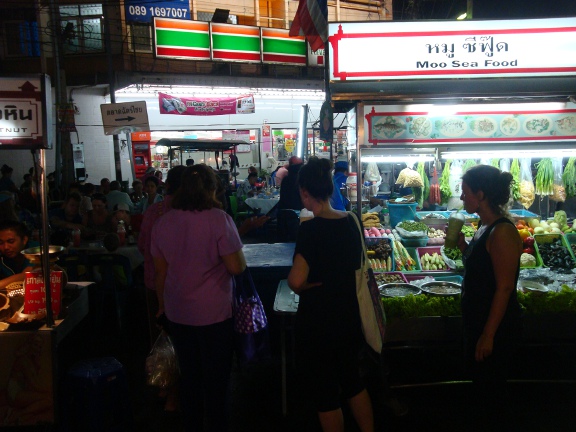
<point>452,49</point>
<point>25,108</point>
<point>124,117</point>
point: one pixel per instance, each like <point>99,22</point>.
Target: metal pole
<point>44,239</point>
<point>112,86</point>
<point>130,155</point>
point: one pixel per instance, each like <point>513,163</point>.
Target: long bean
<point>515,171</point>
<point>545,177</point>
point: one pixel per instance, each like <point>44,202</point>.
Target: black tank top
<point>479,285</point>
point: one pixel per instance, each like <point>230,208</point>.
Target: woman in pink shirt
<point>197,250</point>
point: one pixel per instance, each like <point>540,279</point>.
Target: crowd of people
<point>193,250</point>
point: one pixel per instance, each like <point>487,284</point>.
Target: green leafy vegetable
<point>561,218</point>
<point>445,191</point>
<point>569,177</point>
<point>515,171</point>
<point>468,164</point>
<point>495,163</point>
<point>545,177</point>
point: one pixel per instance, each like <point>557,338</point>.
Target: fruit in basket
<point>432,262</point>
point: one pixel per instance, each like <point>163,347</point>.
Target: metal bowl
<point>34,254</point>
<point>441,288</point>
<point>398,290</point>
<point>531,286</point>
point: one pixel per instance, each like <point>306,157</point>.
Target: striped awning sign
<point>279,47</point>
<point>182,39</point>
<point>235,43</point>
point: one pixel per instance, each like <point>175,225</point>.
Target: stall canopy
<point>194,144</point>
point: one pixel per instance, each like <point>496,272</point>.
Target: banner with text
<point>206,106</point>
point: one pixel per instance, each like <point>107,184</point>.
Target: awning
<point>194,144</point>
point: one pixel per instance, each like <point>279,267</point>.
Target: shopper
<point>116,196</point>
<point>197,250</point>
<point>13,240</point>
<point>138,193</point>
<point>490,307</point>
<point>151,185</point>
<point>329,336</point>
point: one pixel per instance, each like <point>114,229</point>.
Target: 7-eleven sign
<point>315,58</point>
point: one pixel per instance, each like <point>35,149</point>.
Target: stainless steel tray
<point>398,290</point>
<point>441,288</point>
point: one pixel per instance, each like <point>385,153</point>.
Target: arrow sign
<point>124,117</point>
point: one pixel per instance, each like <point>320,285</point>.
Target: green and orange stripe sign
<point>199,40</point>
<point>182,39</point>
<point>279,47</point>
<point>235,43</point>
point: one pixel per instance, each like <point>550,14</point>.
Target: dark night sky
<point>483,9</point>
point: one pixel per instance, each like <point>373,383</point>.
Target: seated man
<point>13,265</point>
<point>67,218</point>
<point>245,190</point>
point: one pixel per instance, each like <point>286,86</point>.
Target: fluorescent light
<point>462,17</point>
<point>492,154</point>
<point>302,131</point>
<point>394,159</point>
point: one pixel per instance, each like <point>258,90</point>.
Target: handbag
<point>371,310</point>
<point>252,343</point>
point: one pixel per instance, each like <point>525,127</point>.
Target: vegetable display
<point>515,171</point>
<point>545,177</point>
<point>444,182</point>
<point>426,188</point>
<point>569,177</point>
<point>399,308</point>
<point>468,164</point>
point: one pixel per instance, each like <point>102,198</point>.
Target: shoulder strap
<point>364,253</point>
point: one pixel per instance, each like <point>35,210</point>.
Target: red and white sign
<point>25,112</point>
<point>35,293</point>
<point>386,50</point>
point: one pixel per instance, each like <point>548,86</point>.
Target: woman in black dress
<point>328,327</point>
<point>489,304</point>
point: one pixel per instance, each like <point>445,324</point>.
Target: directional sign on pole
<point>124,117</point>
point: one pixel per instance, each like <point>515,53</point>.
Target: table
<point>29,364</point>
<point>129,251</point>
<point>264,204</point>
<point>286,306</point>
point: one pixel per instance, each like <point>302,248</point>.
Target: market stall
<point>432,99</point>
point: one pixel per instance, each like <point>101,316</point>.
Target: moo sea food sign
<point>452,49</point>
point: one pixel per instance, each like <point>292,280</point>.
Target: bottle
<point>131,238</point>
<point>76,237</point>
<point>121,231</point>
<point>385,216</point>
<point>455,223</point>
<point>351,185</point>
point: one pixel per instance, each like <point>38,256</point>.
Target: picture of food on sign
<point>537,125</point>
<point>388,127</point>
<point>483,126</point>
<point>566,125</point>
<point>510,126</point>
<point>421,127</point>
<point>452,127</point>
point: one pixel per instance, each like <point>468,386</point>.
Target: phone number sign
<point>143,11</point>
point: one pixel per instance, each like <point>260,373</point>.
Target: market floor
<point>256,396</point>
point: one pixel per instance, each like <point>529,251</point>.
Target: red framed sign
<point>26,112</point>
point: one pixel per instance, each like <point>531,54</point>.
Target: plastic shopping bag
<point>162,364</point>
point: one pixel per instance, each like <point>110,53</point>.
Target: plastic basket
<point>370,241</point>
<point>412,252</point>
<point>400,212</point>
<point>539,262</point>
<point>397,274</point>
<point>455,279</point>
<point>430,250</point>
<point>549,238</point>
<point>414,242</point>
<point>518,214</point>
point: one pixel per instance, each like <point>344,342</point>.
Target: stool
<point>97,397</point>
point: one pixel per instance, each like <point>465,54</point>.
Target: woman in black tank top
<point>489,304</point>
